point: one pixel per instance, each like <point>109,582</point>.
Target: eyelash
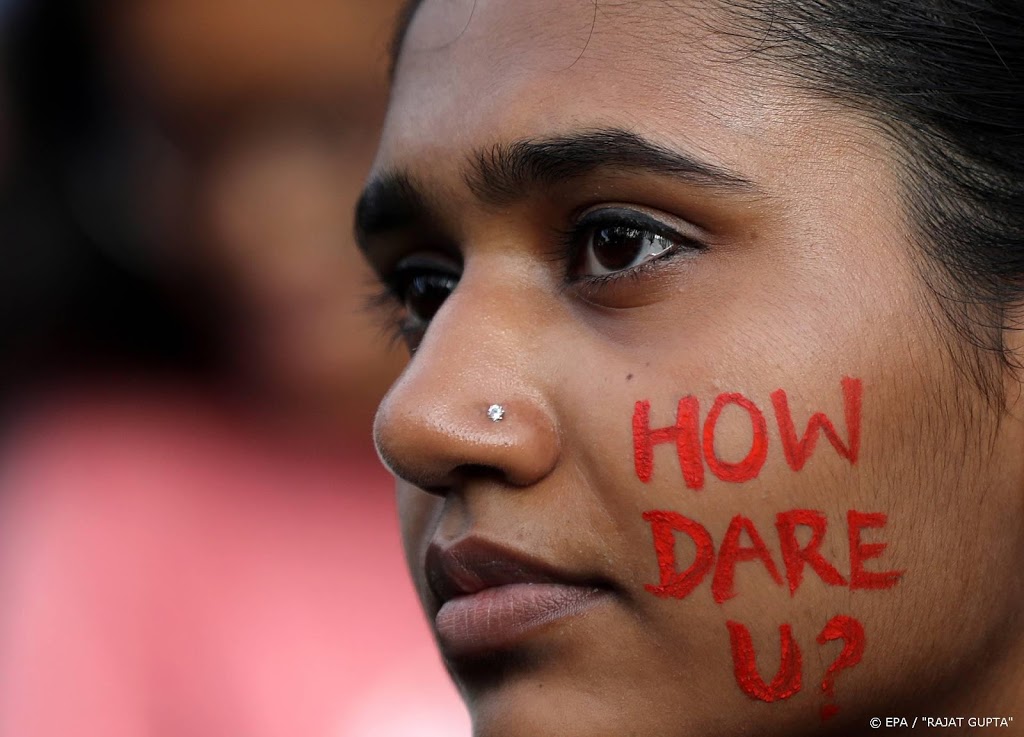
<point>389,299</point>
<point>573,241</point>
<point>387,303</point>
<point>388,312</point>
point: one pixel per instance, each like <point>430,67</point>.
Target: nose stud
<point>496,413</point>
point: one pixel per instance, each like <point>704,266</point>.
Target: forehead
<point>472,74</point>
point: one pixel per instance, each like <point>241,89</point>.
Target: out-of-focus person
<point>195,535</point>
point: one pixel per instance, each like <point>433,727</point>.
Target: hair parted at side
<point>943,79</point>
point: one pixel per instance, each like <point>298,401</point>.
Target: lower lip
<point>497,617</point>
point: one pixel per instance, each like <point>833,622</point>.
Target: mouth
<point>492,598</point>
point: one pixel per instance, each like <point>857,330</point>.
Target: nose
<point>434,428</point>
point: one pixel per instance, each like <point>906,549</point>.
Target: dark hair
<point>944,79</point>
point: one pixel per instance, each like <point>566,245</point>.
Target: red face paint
<point>731,553</point>
<point>851,632</point>
<point>750,466</point>
<point>796,557</point>
<point>664,525</point>
<point>684,434</point>
<point>787,681</point>
<point>676,584</point>
<point>691,443</point>
<point>859,552</point>
<point>799,450</point>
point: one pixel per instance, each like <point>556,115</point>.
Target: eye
<point>608,242</point>
<point>421,284</point>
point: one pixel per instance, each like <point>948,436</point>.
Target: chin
<point>540,707</point>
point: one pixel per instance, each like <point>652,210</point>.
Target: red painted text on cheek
<point>695,443</point>
<point>678,584</point>
<point>743,544</point>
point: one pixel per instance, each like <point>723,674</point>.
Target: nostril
<point>436,490</point>
<point>459,477</point>
<point>480,471</point>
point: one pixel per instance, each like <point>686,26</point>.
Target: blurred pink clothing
<point>164,573</point>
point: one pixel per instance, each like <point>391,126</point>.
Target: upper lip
<point>474,564</point>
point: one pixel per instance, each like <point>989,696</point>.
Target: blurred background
<point>196,537</point>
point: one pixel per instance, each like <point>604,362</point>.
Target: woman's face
<point>609,220</point>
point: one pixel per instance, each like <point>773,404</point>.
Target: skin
<point>809,276</point>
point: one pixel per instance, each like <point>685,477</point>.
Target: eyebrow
<point>505,173</point>
<point>389,203</point>
<point>502,173</point>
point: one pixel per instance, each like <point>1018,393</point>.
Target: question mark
<point>851,632</point>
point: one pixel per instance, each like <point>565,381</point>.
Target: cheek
<point>818,497</point>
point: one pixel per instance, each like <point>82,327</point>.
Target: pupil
<point>426,294</point>
<point>617,247</point>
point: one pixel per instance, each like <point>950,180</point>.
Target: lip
<point>491,597</point>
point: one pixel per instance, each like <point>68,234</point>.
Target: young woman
<point>713,423</point>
